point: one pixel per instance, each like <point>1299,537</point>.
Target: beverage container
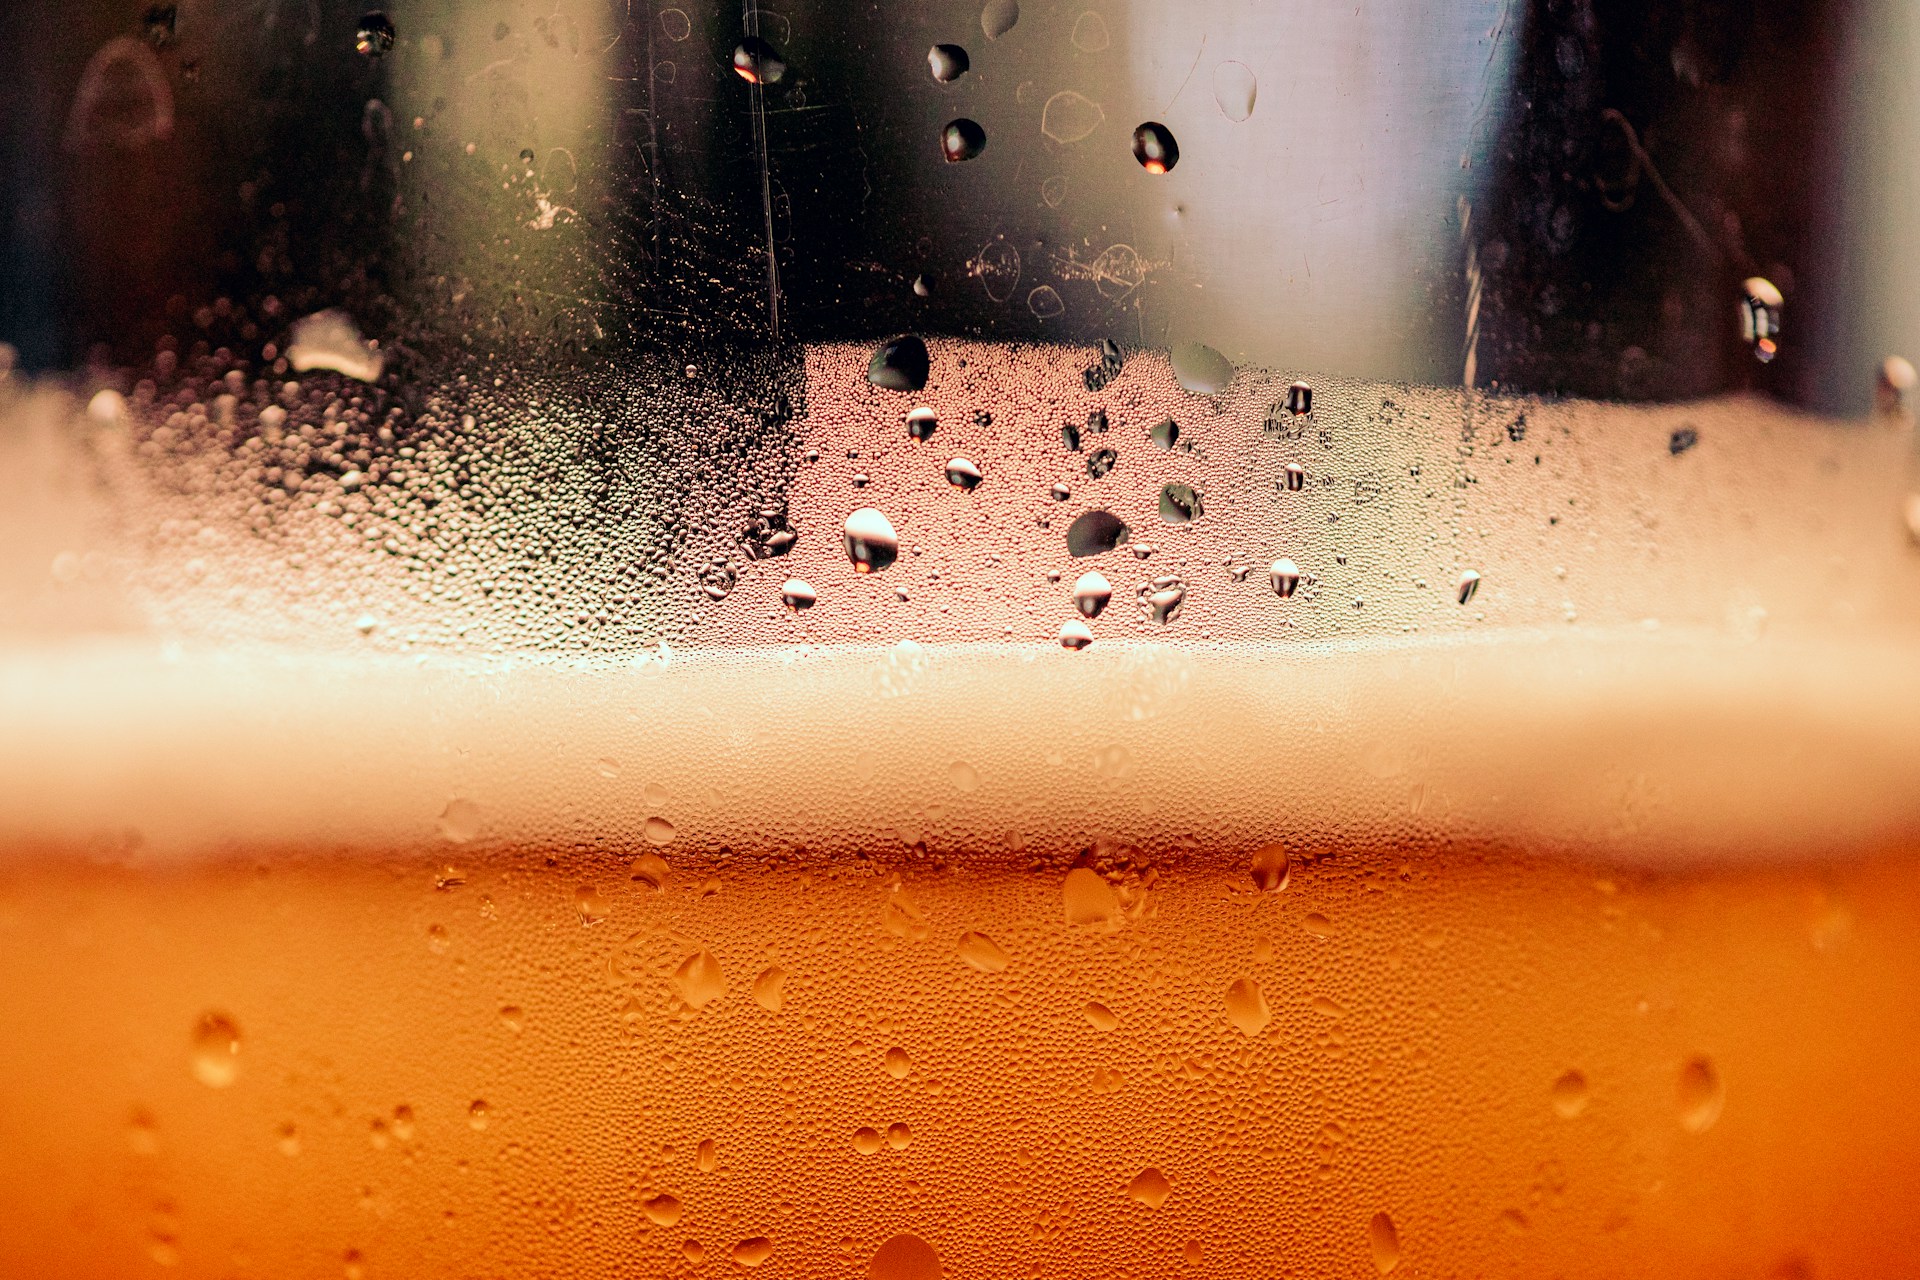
<point>1020,641</point>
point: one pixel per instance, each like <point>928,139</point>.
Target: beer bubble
<point>706,1158</point>
<point>1300,399</point>
<point>216,1050</point>
<point>1060,491</point>
<point>947,62</point>
<point>1293,477</point>
<point>590,904</point>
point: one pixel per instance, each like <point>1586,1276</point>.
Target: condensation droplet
<point>1091,593</point>
<point>1150,1187</point>
<point>1272,868</point>
<point>1045,302</point>
<point>330,340</point>
<point>1384,1241</point>
<point>1200,369</point>
<point>699,980</point>
<point>1090,33</point>
<point>962,139</point>
<point>1089,899</point>
<point>752,1252</point>
<point>963,776</point>
<point>998,17</point>
<point>982,953</point>
<point>1300,399</point>
<point>901,364</point>
<point>947,62</point>
<point>590,904</point>
<point>1701,1095</point>
<point>867,1140</point>
<point>1234,90</point>
<point>706,1157</point>
<point>1075,634</point>
<point>1093,533</point>
<point>899,1136</point>
<point>897,1063</point>
<point>1570,1094</point>
<point>216,1050</point>
<point>1284,575</point>
<point>922,422</point>
<point>1468,584</point>
<point>1294,477</point>
<point>904,1257</point>
<point>871,543</point>
<point>963,474</point>
<point>769,989</point>
<point>662,1210</point>
<point>460,820</point>
<point>1069,116</point>
<point>1102,1018</point>
<point>373,35</point>
<point>1164,433</point>
<point>1760,304</point>
<point>1100,462</point>
<point>1247,1007</point>
<point>1154,147</point>
<point>657,830</point>
<point>757,62</point>
<point>1180,504</point>
<point>477,1115</point>
<point>798,594</point>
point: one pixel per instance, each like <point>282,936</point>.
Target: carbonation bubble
<point>947,62</point>
<point>962,139</point>
<point>1150,1187</point>
<point>1384,1241</point>
<point>899,365</point>
<point>216,1050</point>
<point>904,1257</point>
<point>1468,584</point>
<point>1272,868</point>
<point>1284,574</point>
<point>1179,504</point>
<point>1200,369</point>
<point>1091,593</point>
<point>1760,304</point>
<point>1095,532</point>
<point>1088,898</point>
<point>998,17</point>
<point>798,594</point>
<point>1075,634</point>
<point>1701,1095</point>
<point>1247,1007</point>
<point>1068,116</point>
<point>751,1253</point>
<point>1164,434</point>
<point>1234,90</point>
<point>982,953</point>
<point>1300,399</point>
<point>373,35</point>
<point>757,62</point>
<point>1102,1018</point>
<point>1294,476</point>
<point>871,542</point>
<point>922,422</point>
<point>1570,1094</point>
<point>963,474</point>
<point>1100,462</point>
<point>662,1210</point>
<point>1154,147</point>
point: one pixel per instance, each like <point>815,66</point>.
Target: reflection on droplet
<point>1570,1094</point>
<point>1385,1243</point>
<point>1093,533</point>
<point>1200,369</point>
<point>962,139</point>
<point>1150,1187</point>
<point>798,594</point>
<point>1154,147</point>
<point>904,1257</point>
<point>758,62</point>
<point>899,365</point>
<point>899,1136</point>
<point>922,422</point>
<point>1272,868</point>
<point>1247,1007</point>
<point>1089,899</point>
<point>657,831</point>
<point>1468,584</point>
<point>1102,1018</point>
<point>1234,89</point>
<point>963,474</point>
<point>661,1210</point>
<point>1180,504</point>
<point>1760,303</point>
<point>947,62</point>
<point>998,17</point>
<point>1069,116</point>
<point>1091,593</point>
<point>373,35</point>
<point>216,1050</point>
<point>1284,575</point>
<point>982,953</point>
<point>699,980</point>
<point>871,542</point>
<point>1075,634</point>
<point>1701,1095</point>
<point>769,989</point>
<point>753,1252</point>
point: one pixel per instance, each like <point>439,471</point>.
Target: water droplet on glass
<point>477,1115</point>
<point>998,17</point>
<point>1154,147</point>
<point>1284,574</point>
<point>1701,1095</point>
<point>899,365</point>
<point>1160,599</point>
<point>769,989</point>
<point>330,340</point>
<point>1247,1007</point>
<point>867,1140</point>
<point>922,422</point>
<point>1570,1094</point>
<point>1100,462</point>
<point>871,542</point>
<point>1468,584</point>
<point>1091,593</point>
<point>1192,1253</point>
<point>899,1136</point>
<point>1317,925</point>
<point>962,139</point>
<point>1060,491</point>
<point>982,953</point>
<point>1234,89</point>
<point>373,35</point>
<point>657,830</point>
<point>1089,899</point>
<point>699,980</point>
<point>897,1063</point>
<point>1102,1018</point>
<point>904,1257</point>
<point>963,474</point>
<point>1893,384</point>
<point>216,1050</point>
<point>1164,433</point>
<point>1760,303</point>
<point>1095,532</point>
<point>1200,369</point>
<point>1180,504</point>
<point>797,594</point>
<point>1272,868</point>
<point>963,776</point>
<point>158,24</point>
<point>947,62</point>
<point>753,1252</point>
<point>923,285</point>
<point>590,904</point>
<point>1300,399</point>
<point>1294,477</point>
<point>1384,1242</point>
<point>661,1210</point>
<point>1070,436</point>
<point>758,62</point>
<point>1150,1187</point>
<point>1075,634</point>
<point>1068,116</point>
<point>706,1158</point>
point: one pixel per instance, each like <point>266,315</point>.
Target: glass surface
<point>1094,639</point>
